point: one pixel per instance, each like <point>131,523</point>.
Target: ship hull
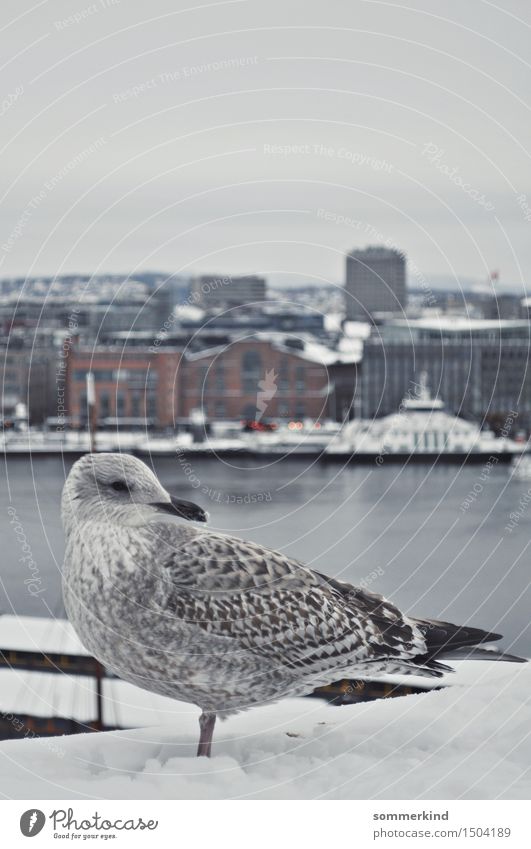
<point>458,457</point>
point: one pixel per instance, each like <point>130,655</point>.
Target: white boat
<point>420,429</point>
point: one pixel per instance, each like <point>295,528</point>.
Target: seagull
<point>217,621</point>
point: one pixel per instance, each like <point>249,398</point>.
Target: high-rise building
<point>375,282</point>
<point>217,291</point>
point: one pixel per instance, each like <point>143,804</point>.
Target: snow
<point>332,321</point>
<point>470,740</point>
<point>184,312</point>
<point>357,329</point>
<point>458,324</point>
<point>34,633</point>
<point>316,352</point>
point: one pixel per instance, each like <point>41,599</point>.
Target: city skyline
<point>279,281</point>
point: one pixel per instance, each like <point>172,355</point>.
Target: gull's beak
<point>183,509</point>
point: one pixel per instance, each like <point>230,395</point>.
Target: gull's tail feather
<point>443,641</point>
<point>478,653</point>
<point>453,642</point>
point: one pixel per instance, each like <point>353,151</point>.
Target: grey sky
<point>177,175</point>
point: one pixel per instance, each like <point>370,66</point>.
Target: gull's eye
<point>119,486</point>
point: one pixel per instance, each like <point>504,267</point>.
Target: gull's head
<point>120,488</point>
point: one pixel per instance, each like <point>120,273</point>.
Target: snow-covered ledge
<point>468,741</point>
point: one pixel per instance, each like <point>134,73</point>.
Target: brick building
<point>135,383</point>
<point>266,376</point>
<point>255,378</point>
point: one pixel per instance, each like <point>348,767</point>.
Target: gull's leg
<point>206,725</point>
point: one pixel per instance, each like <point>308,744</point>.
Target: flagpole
<point>91,404</point>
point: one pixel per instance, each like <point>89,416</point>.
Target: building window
<point>105,404</point>
<point>220,376</point>
<point>249,413</point>
<point>283,376</point>
<point>283,410</point>
<point>120,404</point>
<point>202,378</point>
<point>136,405</point>
<point>220,410</point>
<point>151,406</point>
<point>100,374</point>
<point>251,371</point>
<point>300,379</point>
<point>300,411</point>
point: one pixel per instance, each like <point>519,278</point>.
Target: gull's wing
<point>272,604</point>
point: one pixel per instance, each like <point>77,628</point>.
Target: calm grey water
<point>399,529</point>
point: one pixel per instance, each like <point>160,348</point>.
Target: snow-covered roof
<point>457,324</point>
<point>188,312</point>
<point>316,352</point>
<point>357,329</point>
<point>348,350</point>
<point>332,321</point>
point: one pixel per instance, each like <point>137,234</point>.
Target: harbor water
<point>444,541</point>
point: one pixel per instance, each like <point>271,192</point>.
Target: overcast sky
<point>253,136</point>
